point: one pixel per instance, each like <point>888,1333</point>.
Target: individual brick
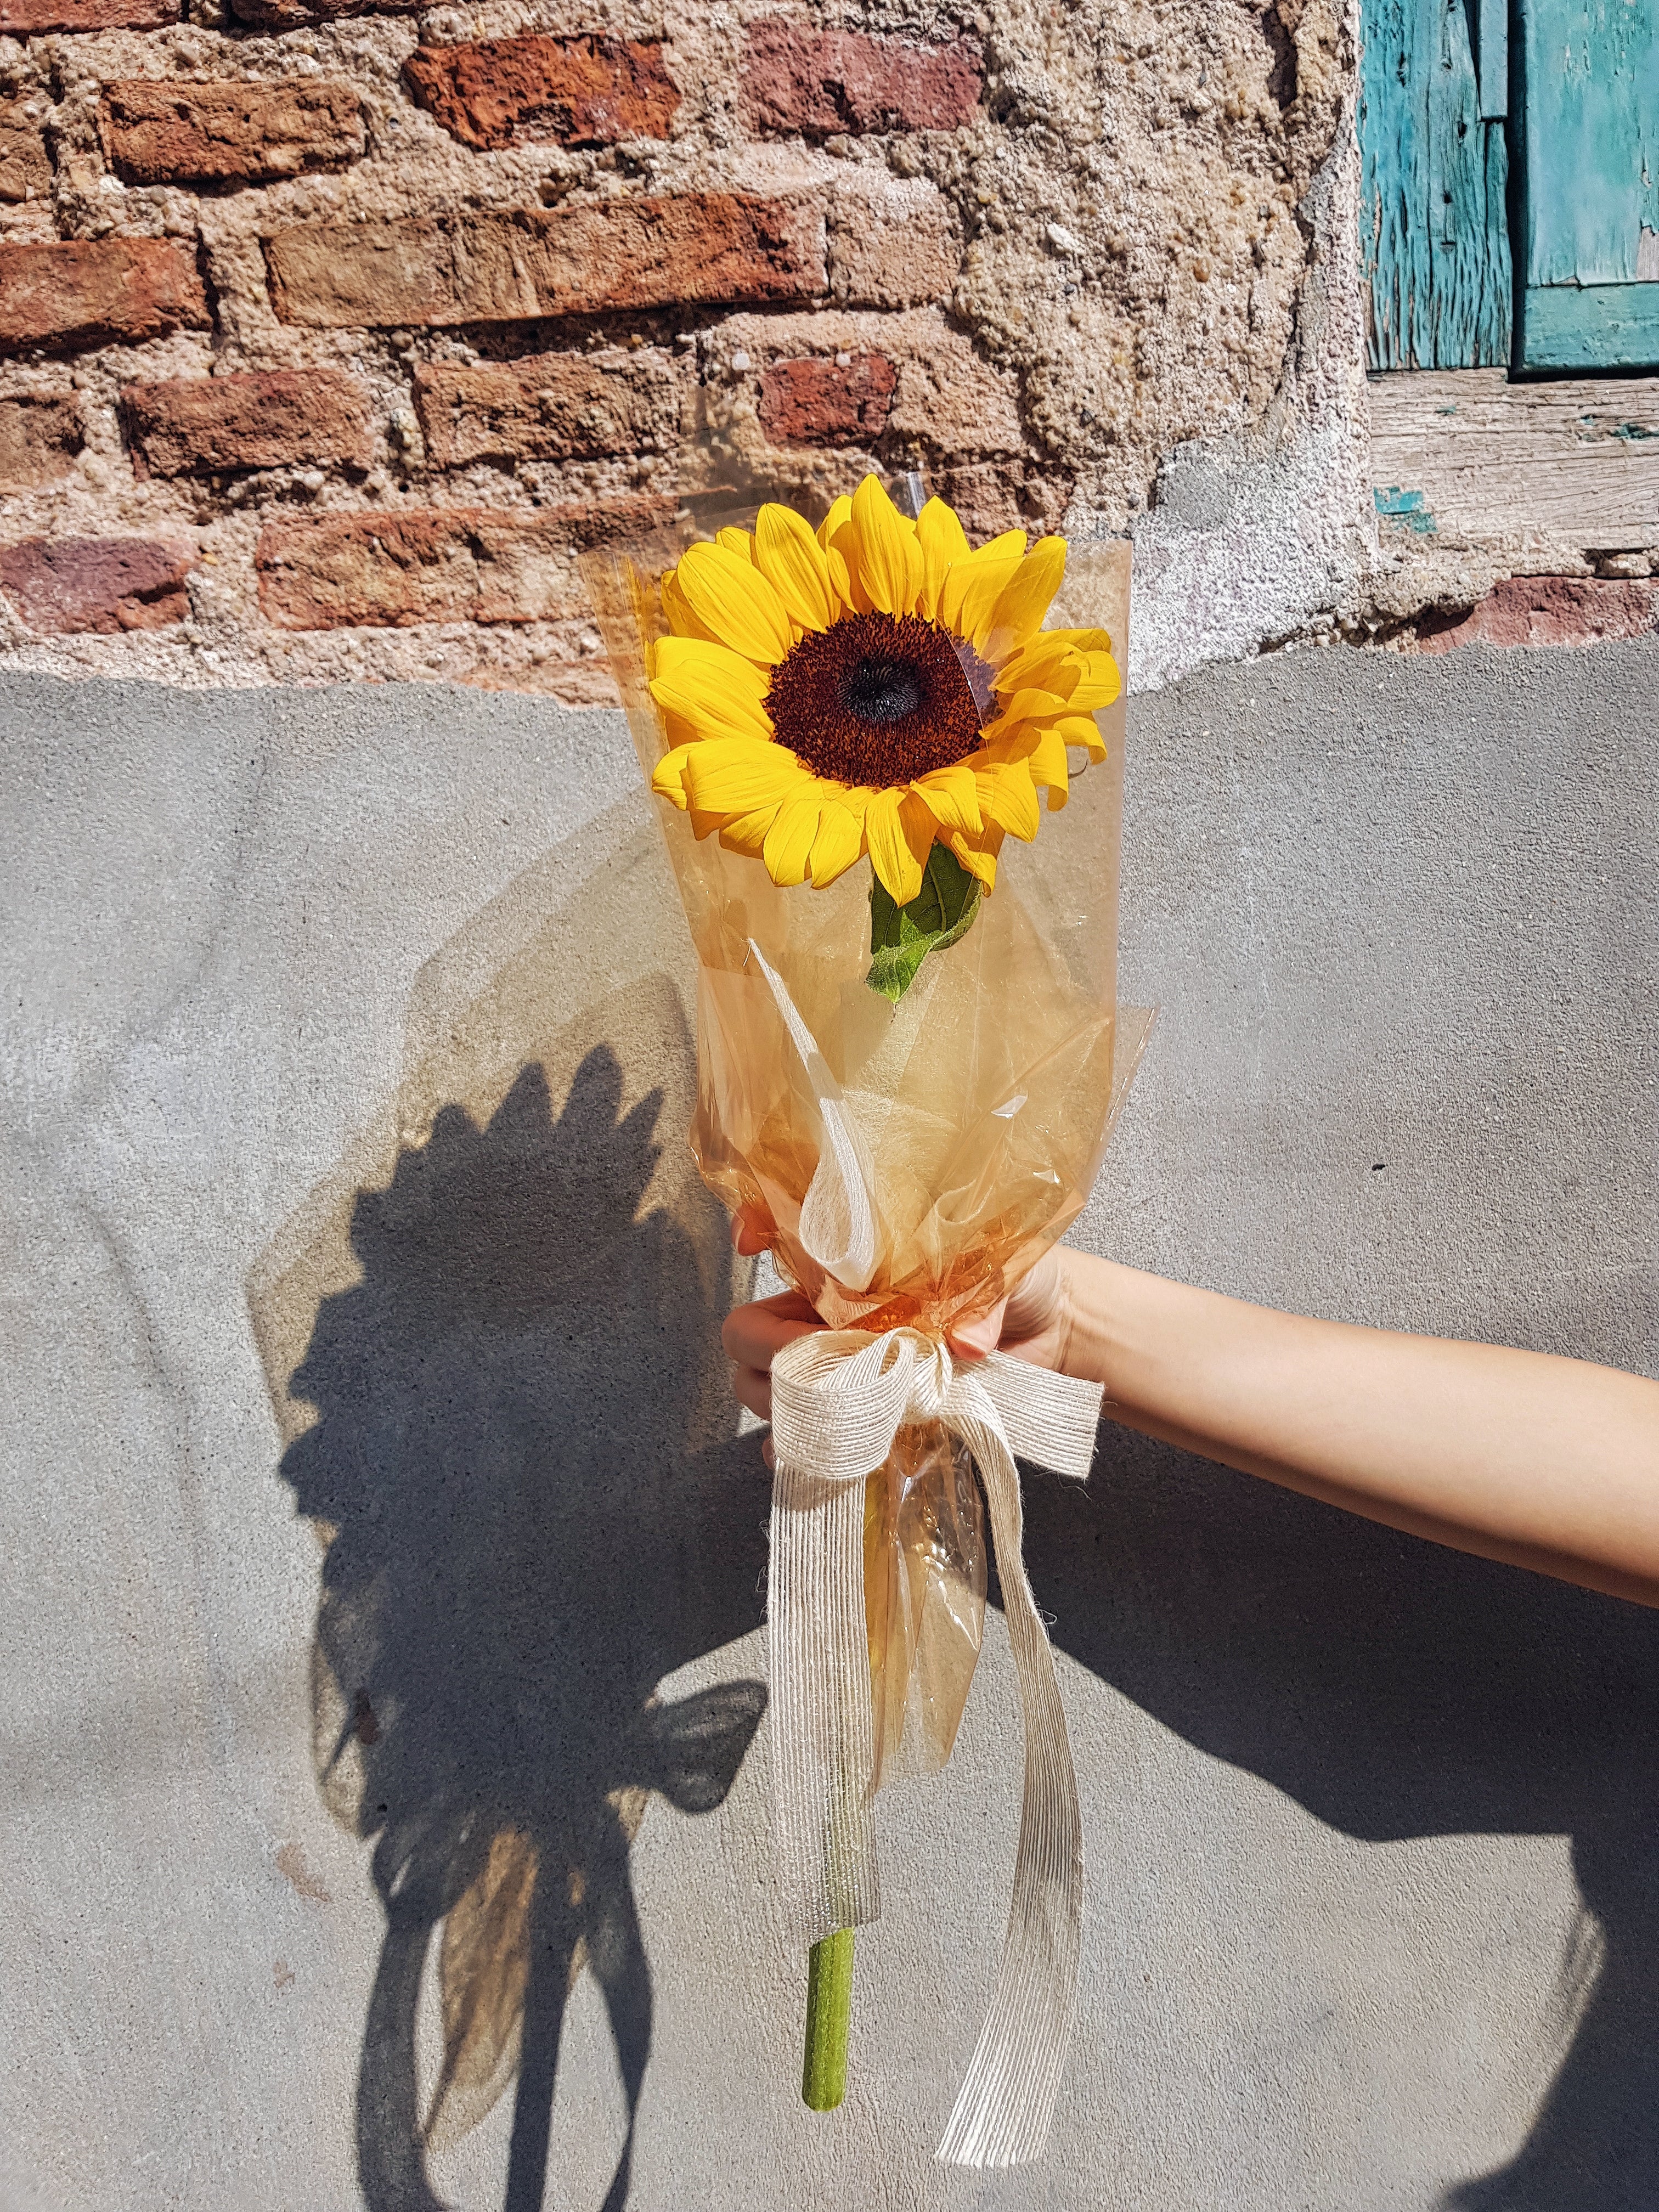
<point>41,433</point>
<point>1546,610</point>
<point>698,249</point>
<point>25,165</point>
<point>110,291</point>
<point>819,402</point>
<point>23,19</point>
<point>949,401</point>
<point>267,419</point>
<point>396,568</point>
<point>492,93</point>
<point>547,407</point>
<point>161,132</point>
<point>107,584</point>
<point>894,249</point>
<point>821,83</point>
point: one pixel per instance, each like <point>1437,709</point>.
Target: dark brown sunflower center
<point>874,700</point>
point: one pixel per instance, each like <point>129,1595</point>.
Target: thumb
<point>977,1338</point>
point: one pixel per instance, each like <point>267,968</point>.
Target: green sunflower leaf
<point>901,936</point>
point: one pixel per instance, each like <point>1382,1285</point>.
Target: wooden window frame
<point>1483,250</point>
<point>1535,437</point>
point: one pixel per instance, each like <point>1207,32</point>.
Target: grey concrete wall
<point>344,1034</point>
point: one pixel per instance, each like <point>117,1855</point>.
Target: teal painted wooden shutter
<point>1590,151</point>
<point>1435,231</point>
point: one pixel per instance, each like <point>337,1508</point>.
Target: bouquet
<point>909,1057</point>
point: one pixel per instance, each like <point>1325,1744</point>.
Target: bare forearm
<point>1547,1464</point>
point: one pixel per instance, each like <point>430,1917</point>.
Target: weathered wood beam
<point>1466,452</point>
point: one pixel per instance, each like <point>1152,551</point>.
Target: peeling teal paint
<point>1592,127</point>
<point>1575,327</point>
<point>1491,37</point>
<point>1592,429</point>
<point>1589,149</point>
<point>1408,509</point>
<point>1434,230</point>
<point>1435,78</point>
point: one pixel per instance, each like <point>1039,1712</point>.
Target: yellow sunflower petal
<point>668,777</point>
<point>1080,640</point>
<point>732,775</point>
<point>677,609</point>
<point>978,855</point>
<point>1046,765</point>
<point>841,513</point>
<point>1025,598</point>
<point>745,833</point>
<point>1007,797</point>
<point>1031,671</point>
<point>1081,729</point>
<point>699,659</point>
<point>951,797</point>
<point>1006,546</point>
<point>839,843</point>
<point>1026,705</point>
<point>971,612</point>
<point>788,851</point>
<point>972,586</point>
<point>1014,741</point>
<point>943,540</point>
<point>790,558</point>
<point>730,596</point>
<point>1049,650</point>
<point>920,826</point>
<point>894,833</point>
<point>842,552</point>
<point>736,541</point>
<point>841,579</point>
<point>713,708</point>
<point>1097,682</point>
<point>890,561</point>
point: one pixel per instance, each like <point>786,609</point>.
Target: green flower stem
<point>828,2014</point>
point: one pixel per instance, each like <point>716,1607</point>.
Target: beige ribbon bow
<point>839,1397</point>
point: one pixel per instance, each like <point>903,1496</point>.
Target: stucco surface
<point>1374,1919</point>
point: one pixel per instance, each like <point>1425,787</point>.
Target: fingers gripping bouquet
<point>907,1045</point>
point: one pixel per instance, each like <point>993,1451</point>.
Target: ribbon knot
<point>839,1398</point>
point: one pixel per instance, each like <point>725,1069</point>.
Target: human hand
<point>753,1335</point>
<point>1033,1324</point>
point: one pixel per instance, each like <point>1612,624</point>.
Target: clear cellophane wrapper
<point>914,1159</point>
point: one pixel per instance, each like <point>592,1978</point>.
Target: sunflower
<point>872,687</point>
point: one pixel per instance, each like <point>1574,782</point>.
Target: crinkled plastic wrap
<point>924,1597</point>
<point>914,1159</point>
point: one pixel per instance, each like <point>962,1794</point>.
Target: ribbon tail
<point>822,1738</point>
<point>1007,2099</point>
<point>1051,1419</point>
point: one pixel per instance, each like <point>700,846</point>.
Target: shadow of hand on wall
<point>523,1539</point>
<point>1397,1689</point>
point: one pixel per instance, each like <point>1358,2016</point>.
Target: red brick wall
<point>329,334</point>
